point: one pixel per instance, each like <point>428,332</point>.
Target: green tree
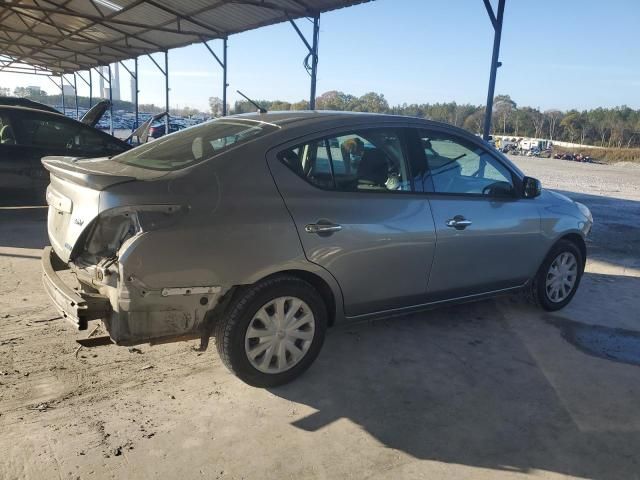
<point>372,102</point>
<point>572,124</point>
<point>215,106</point>
<point>503,106</point>
<point>279,105</point>
<point>474,122</point>
<point>333,100</point>
<point>552,117</point>
<point>301,105</point>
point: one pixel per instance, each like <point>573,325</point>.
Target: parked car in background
<point>269,228</point>
<point>157,130</point>
<point>27,135</point>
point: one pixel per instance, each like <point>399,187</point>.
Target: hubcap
<point>279,334</point>
<point>561,277</point>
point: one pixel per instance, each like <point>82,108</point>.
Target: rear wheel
<point>559,276</point>
<point>272,331</point>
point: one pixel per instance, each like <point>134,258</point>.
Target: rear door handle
<point>458,222</point>
<point>322,228</point>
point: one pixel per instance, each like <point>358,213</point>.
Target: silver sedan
<point>265,229</point>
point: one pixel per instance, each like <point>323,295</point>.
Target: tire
<point>542,292</point>
<point>263,300</point>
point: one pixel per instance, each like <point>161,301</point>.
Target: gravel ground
<point>621,180</point>
<point>491,390</point>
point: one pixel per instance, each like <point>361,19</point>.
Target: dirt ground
<point>489,390</point>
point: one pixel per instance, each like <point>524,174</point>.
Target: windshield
<point>194,145</point>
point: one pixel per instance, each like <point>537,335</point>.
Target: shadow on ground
<point>23,227</point>
<point>456,385</point>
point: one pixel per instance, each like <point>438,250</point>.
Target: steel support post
<point>110,102</point>
<point>64,112</point>
<point>224,77</point>
<point>496,21</point>
<point>223,64</point>
<point>90,90</point>
<point>314,60</point>
<point>75,93</point>
<point>165,72</point>
<point>136,91</point>
<point>134,76</point>
<point>166,91</point>
<point>312,56</point>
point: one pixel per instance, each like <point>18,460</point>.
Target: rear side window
<point>368,160</point>
<point>194,145</point>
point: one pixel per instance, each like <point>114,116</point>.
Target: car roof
<point>32,110</point>
<point>26,102</point>
<point>282,118</point>
<point>313,118</point>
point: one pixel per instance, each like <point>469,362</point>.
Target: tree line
<point>617,127</point>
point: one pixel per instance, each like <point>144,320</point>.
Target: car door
<point>20,167</point>
<point>488,235</point>
<point>351,199</point>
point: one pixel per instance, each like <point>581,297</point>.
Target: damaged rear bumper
<point>76,306</point>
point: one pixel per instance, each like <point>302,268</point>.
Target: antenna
<point>260,109</point>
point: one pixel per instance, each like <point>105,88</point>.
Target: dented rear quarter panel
<point>235,231</point>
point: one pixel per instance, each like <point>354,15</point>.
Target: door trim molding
<point>425,306</point>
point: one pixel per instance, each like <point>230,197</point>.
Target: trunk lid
<point>73,195</point>
<point>95,113</point>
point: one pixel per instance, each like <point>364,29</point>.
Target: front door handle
<point>458,222</point>
<point>322,228</point>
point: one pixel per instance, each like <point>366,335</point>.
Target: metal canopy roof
<point>64,36</point>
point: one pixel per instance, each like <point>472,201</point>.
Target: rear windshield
<point>194,145</point>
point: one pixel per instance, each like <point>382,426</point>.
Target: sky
<point>555,54</point>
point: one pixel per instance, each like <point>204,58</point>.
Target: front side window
<point>369,160</point>
<point>194,145</point>
<point>458,166</point>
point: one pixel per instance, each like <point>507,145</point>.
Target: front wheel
<point>559,275</point>
<point>272,331</point>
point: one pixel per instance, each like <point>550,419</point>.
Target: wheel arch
<point>578,241</point>
<point>322,287</point>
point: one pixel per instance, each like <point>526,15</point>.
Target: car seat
<point>373,169</point>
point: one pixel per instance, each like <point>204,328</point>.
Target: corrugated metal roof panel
<point>70,35</point>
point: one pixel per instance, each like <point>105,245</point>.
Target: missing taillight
<point>114,227</point>
<point>108,234</point>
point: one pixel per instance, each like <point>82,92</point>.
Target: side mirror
<point>531,187</point>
